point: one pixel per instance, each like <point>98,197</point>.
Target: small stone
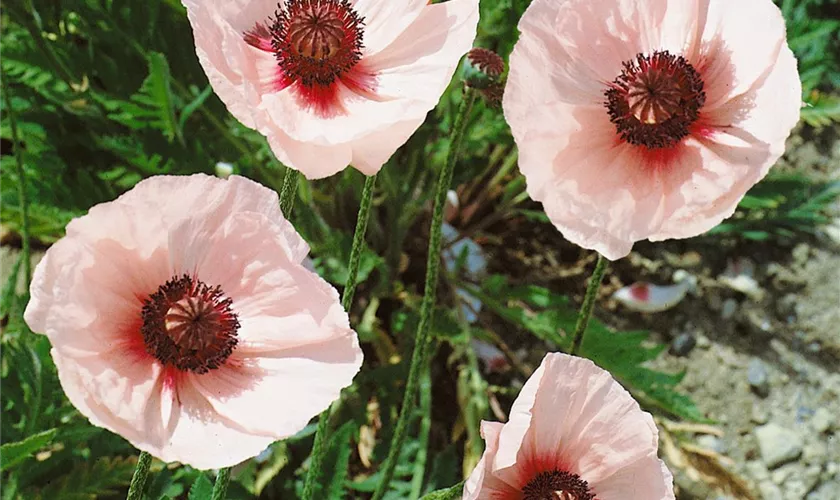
<point>757,470</point>
<point>713,443</point>
<point>770,491</point>
<point>801,253</point>
<point>833,231</point>
<point>822,421</point>
<point>781,475</point>
<point>703,342</point>
<point>758,378</point>
<point>814,453</point>
<point>682,344</point>
<point>786,306</point>
<point>729,308</point>
<point>829,490</point>
<point>795,490</point>
<point>759,415</point>
<point>777,444</point>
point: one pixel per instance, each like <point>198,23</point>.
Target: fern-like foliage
<point>153,106</point>
<point>549,317</point>
<point>821,110</point>
<point>88,480</point>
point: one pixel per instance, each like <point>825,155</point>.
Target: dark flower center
<point>189,325</point>
<point>655,100</point>
<point>557,485</point>
<point>316,41</point>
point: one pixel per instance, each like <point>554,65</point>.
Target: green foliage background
<point>107,92</point>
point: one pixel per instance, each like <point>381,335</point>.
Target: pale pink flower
<point>648,119</point>
<point>181,318</point>
<point>331,82</point>
<point>573,434</point>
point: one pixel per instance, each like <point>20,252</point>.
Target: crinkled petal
<point>191,431</point>
<point>312,160</point>
<point>596,190</point>
<point>644,479</point>
<point>411,74</point>
<point>482,484</point>
<point>111,388</point>
<point>739,44</point>
<point>219,47</point>
<point>745,137</point>
<point>254,390</point>
<point>569,50</point>
<point>107,316</point>
<point>279,303</point>
<point>584,418</point>
<point>385,20</point>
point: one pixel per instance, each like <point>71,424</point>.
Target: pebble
<point>822,421</point>
<point>781,475</point>
<point>682,344</point>
<point>759,414</point>
<point>758,378</point>
<point>814,453</point>
<point>801,253</point>
<point>730,306</point>
<point>833,231</point>
<point>703,342</point>
<point>777,444</point>
<point>770,491</point>
<point>713,443</point>
<point>757,470</point>
<point>829,490</point>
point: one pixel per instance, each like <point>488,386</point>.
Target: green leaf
<point>12,454</point>
<point>196,103</point>
<point>152,106</point>
<point>822,110</point>
<point>201,489</point>
<point>336,463</point>
<point>89,480</point>
<point>549,317</point>
<point>451,493</point>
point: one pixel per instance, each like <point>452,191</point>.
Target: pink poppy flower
<point>331,82</point>
<point>181,318</point>
<point>573,434</point>
<point>648,119</point>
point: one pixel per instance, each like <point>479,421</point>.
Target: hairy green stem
<point>588,303</point>
<point>21,185</point>
<point>358,243</point>
<point>221,485</point>
<point>429,293</point>
<point>138,480</point>
<point>288,192</point>
<point>318,449</point>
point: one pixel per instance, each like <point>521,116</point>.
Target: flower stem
<point>221,485</point>
<point>21,185</point>
<point>288,192</point>
<point>318,449</point>
<point>588,303</point>
<point>430,290</point>
<point>138,480</point>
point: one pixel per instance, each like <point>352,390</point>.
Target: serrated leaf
<point>90,480</point>
<point>191,108</point>
<point>201,489</point>
<point>821,111</point>
<point>548,316</point>
<point>451,493</point>
<point>335,464</point>
<point>152,106</point>
<point>12,454</point>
